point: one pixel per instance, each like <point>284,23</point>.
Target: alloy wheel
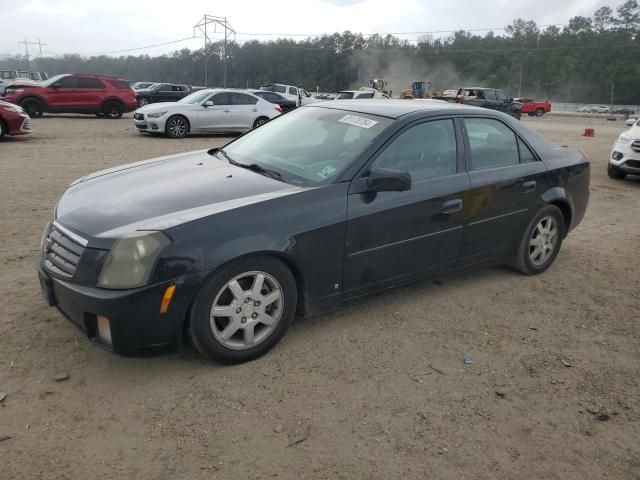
<point>246,310</point>
<point>543,241</point>
<point>143,101</point>
<point>177,127</point>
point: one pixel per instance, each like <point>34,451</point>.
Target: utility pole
<point>26,49</point>
<point>217,22</point>
<point>520,87</point>
<point>611,97</point>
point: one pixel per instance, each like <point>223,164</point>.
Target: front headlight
<point>623,139</point>
<point>155,115</point>
<point>131,260</point>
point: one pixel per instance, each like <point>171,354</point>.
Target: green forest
<point>576,63</point>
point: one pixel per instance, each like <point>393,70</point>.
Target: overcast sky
<point>90,27</point>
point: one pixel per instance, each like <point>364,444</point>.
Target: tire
<point>538,247</point>
<point>113,110</point>
<point>260,121</point>
<point>2,129</point>
<point>531,114</point>
<point>517,114</point>
<point>32,106</point>
<point>540,112</point>
<point>143,101</point>
<point>225,338</point>
<point>615,173</point>
<point>177,127</point>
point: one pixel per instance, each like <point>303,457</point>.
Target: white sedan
<point>206,111</point>
<point>625,154</point>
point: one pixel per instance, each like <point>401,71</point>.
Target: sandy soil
<point>375,391</point>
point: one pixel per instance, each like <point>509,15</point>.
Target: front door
<point>218,117</point>
<point>397,236</point>
<point>506,181</point>
<point>63,95</point>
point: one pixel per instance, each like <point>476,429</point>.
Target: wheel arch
<point>34,96</point>
<point>179,115</point>
<point>301,307</point>
<point>111,99</point>
<point>558,196</point>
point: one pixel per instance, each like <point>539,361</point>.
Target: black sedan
<point>277,99</point>
<point>306,213</point>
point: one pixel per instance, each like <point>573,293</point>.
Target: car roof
<point>398,108</point>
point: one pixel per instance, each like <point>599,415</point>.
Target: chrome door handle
<point>227,111</point>
<point>452,206</point>
<point>528,187</point>
<point>254,110</point>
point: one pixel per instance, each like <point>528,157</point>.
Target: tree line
<point>578,63</point>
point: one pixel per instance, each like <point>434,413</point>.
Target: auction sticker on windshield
<point>358,121</point>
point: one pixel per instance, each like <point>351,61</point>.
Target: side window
<point>293,91</point>
<point>67,82</point>
<point>164,88</point>
<point>493,144</point>
<point>242,99</point>
<point>526,155</point>
<point>89,83</point>
<point>222,99</point>
<point>280,89</point>
<point>427,150</point>
<point>500,96</point>
<point>490,94</point>
<point>366,95</point>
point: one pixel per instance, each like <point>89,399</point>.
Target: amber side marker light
<point>166,298</point>
<point>104,329</point>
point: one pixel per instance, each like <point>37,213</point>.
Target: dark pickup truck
<point>490,98</point>
<point>162,92</point>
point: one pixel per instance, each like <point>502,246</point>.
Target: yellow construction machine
<point>380,85</point>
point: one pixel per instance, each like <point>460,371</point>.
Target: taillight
<point>279,108</point>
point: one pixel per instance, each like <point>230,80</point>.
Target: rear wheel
<point>260,121</point>
<point>2,129</point>
<point>143,101</point>
<point>615,173</point>
<point>113,110</point>
<point>244,310</point>
<point>32,106</point>
<point>539,112</point>
<point>177,127</point>
<point>541,242</point>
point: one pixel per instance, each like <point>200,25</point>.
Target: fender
<point>559,197</point>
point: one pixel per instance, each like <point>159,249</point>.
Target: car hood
<point>161,193</point>
<point>158,107</point>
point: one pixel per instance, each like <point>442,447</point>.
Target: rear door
<point>90,92</point>
<point>164,93</point>
<point>503,102</point>
<point>244,110</point>
<point>396,236</point>
<point>217,118</point>
<point>506,181</point>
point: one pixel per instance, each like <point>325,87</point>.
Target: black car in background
<point>309,211</point>
<point>161,92</point>
<point>273,97</point>
<point>490,98</point>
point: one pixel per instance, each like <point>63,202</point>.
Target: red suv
<point>72,93</point>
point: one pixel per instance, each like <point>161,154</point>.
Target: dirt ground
<point>375,391</point>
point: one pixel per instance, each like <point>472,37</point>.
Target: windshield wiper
<point>254,167</point>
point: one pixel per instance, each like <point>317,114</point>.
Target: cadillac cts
<point>328,203</point>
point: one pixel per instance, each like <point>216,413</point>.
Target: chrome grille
<point>62,253</point>
<point>635,146</point>
<point>26,125</point>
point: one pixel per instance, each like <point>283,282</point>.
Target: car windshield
<point>310,146</point>
<point>195,97</point>
<point>52,80</point>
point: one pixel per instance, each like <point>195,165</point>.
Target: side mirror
<point>208,103</point>
<point>631,122</point>
<point>388,180</point>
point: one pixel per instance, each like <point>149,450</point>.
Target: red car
<point>534,108</point>
<point>72,93</point>
<point>13,120</point>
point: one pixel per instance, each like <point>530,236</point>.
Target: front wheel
<point>540,112</point>
<point>541,242</point>
<point>177,127</point>
<point>32,106</point>
<point>244,310</point>
<point>615,173</point>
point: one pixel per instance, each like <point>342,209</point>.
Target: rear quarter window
<point>119,84</point>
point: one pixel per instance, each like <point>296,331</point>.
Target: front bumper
<point>146,124</point>
<point>135,321</point>
<point>630,161</point>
